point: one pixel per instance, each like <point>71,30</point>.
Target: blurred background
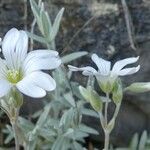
<point>112,29</point>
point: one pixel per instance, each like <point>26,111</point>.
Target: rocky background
<point>98,26</point>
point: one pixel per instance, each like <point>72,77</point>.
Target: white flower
<point>104,72</point>
<point>22,69</point>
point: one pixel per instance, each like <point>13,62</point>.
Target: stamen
<point>14,76</point>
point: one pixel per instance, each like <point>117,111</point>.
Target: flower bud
<point>139,87</point>
<point>92,97</point>
<point>117,93</point>
<point>105,83</point>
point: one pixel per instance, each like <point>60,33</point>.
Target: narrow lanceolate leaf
<point>56,25</point>
<point>139,87</point>
<point>143,141</point>
<point>134,142</point>
<point>77,146</point>
<point>37,38</point>
<point>87,129</point>
<point>35,8</point>
<point>89,112</point>
<point>69,98</point>
<point>43,116</point>
<point>73,56</point>
<point>46,25</point>
<point>58,143</point>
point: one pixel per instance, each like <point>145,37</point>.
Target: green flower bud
<point>106,84</point>
<point>85,93</point>
<point>92,97</point>
<point>139,87</point>
<point>117,93</point>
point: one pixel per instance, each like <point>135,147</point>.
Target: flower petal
<point>4,87</point>
<point>87,71</point>
<point>42,80</point>
<point>129,71</point>
<point>9,45</point>
<point>21,47</point>
<point>103,65</point>
<point>28,88</point>
<point>39,81</point>
<point>41,60</point>
<point>122,63</point>
<point>3,68</point>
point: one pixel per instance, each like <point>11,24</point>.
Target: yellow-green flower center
<point>14,76</point>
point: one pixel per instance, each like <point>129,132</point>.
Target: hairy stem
<point>106,108</point>
<point>15,129</point>
<point>106,145</point>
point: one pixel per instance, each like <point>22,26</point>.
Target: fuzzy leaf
<point>37,38</point>
<point>56,25</point>
<point>73,56</point>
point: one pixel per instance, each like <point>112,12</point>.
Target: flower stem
<point>106,145</point>
<point>14,126</point>
<point>14,121</point>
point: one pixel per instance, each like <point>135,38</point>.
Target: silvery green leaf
<point>46,146</point>
<point>43,117</point>
<point>52,122</point>
<point>36,114</point>
<point>70,131</point>
<point>73,56</point>
<point>57,145</point>
<point>8,138</point>
<point>76,134</point>
<point>36,37</point>
<point>69,97</point>
<point>10,135</point>
<point>56,25</point>
<point>36,11</point>
<point>87,129</point>
<point>79,134</point>
<point>25,124</point>
<point>46,25</point>
<point>134,142</point>
<point>33,145</point>
<point>77,146</point>
<point>139,87</point>
<point>75,90</point>
<point>66,144</point>
<point>67,118</point>
<point>46,133</point>
<point>143,141</point>
<point>35,8</point>
<point>89,112</point>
